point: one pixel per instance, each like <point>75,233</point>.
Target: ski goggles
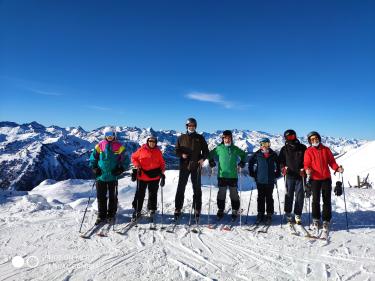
<point>109,134</point>
<point>291,137</point>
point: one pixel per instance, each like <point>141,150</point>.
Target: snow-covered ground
<point>39,237</point>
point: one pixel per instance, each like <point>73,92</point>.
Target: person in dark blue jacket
<point>264,168</point>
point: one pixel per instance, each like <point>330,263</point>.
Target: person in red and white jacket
<point>317,161</point>
<point>150,167</point>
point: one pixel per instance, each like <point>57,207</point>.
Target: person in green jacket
<point>228,155</point>
<point>108,161</point>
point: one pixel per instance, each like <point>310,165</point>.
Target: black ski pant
<point>294,190</point>
<point>265,199</point>
<point>223,184</point>
<point>197,189</point>
<point>139,197</point>
<point>323,187</point>
<point>101,194</point>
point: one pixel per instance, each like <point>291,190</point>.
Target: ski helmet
<point>109,132</point>
<point>313,133</point>
<point>191,121</point>
<point>264,140</point>
<point>152,138</point>
<point>290,134</point>
<point>227,133</point>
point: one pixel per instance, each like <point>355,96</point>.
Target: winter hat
<point>227,133</point>
<point>313,133</point>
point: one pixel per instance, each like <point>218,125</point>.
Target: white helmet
<point>109,131</point>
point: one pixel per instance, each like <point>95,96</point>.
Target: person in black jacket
<point>291,164</point>
<point>264,167</point>
<point>192,149</point>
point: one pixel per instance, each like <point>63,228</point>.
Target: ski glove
<point>212,163</point>
<point>338,188</point>
<point>97,171</point>
<point>302,173</point>
<point>241,164</point>
<point>134,174</point>
<point>162,180</point>
<point>118,170</point>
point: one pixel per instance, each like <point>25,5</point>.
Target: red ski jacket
<point>319,159</point>
<point>150,160</point>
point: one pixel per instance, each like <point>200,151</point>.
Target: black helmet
<point>191,121</point>
<point>289,133</point>
<point>313,133</point>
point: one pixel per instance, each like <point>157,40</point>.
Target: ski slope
<point>39,238</point>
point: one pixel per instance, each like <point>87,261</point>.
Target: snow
<point>39,232</point>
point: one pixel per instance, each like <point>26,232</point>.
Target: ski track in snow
<point>51,235</point>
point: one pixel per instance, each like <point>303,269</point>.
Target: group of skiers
<point>305,170</point>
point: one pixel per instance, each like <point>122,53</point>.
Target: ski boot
<point>326,225</point>
<point>298,219</point>
<point>136,215</point>
<point>111,219</point>
<point>197,214</point>
<point>220,214</point>
<point>289,218</point>
<point>100,220</point>
<point>234,215</point>
<point>259,219</point>
<point>177,214</point>
<point>268,219</point>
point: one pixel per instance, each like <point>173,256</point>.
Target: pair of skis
<point>316,234</point>
<point>101,229</point>
<point>260,227</point>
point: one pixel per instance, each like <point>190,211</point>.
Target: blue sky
<point>258,65</point>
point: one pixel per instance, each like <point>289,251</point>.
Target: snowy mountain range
<point>31,152</point>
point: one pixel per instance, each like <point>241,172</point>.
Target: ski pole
<point>162,207</point>
<point>209,200</point>
<point>248,206</point>
<point>278,198</point>
<point>88,202</point>
<point>137,195</point>
<point>116,193</point>
<point>307,209</point>
<point>346,213</point>
<point>240,186</point>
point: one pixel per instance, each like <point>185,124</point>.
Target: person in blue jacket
<point>264,168</point>
<point>108,161</point>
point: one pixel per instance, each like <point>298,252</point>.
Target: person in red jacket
<point>150,168</point>
<point>317,160</point>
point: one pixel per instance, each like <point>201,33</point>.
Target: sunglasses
<point>152,141</point>
<point>314,138</point>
